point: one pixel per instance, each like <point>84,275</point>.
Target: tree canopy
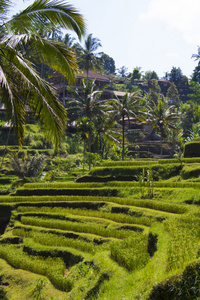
<point>20,83</point>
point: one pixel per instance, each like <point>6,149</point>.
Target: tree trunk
<point>123,137</point>
<point>84,158</point>
<point>89,141</point>
<point>89,146</point>
<point>63,91</point>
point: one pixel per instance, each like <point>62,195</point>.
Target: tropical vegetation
<point>21,40</point>
<point>111,210</point>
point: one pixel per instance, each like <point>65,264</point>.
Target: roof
<point>91,75</point>
<point>95,75</point>
<point>119,93</point>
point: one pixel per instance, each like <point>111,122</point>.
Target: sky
<point>153,35</point>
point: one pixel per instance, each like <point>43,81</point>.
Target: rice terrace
<point>99,167</point>
<point>112,240</point>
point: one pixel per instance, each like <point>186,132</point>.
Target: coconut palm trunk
<point>123,136</point>
<point>161,146</point>
<point>84,158</point>
<point>89,146</point>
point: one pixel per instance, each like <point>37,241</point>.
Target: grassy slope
<point>99,276</point>
<point>155,270</point>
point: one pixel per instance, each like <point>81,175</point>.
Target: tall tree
<point>196,74</point>
<point>88,58</point>
<point>108,64</point>
<point>190,114</point>
<point>105,131</point>
<point>176,75</point>
<point>173,95</point>
<point>84,127</point>
<point>150,75</point>
<point>197,56</point>
<point>161,116</point>
<point>154,94</point>
<point>86,103</point>
<point>122,71</point>
<point>19,81</point>
<point>194,92</point>
<point>136,74</point>
<point>129,106</point>
<point>69,40</point>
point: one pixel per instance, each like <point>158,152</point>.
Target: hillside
<point>104,240</point>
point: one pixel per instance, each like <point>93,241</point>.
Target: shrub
<point>192,149</point>
<point>164,171</point>
<point>189,171</point>
<point>27,167</point>
<point>60,164</point>
<point>106,178</point>
<point>75,192</point>
<point>92,158</point>
<point>182,287</point>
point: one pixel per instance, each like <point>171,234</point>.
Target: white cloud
<point>182,15</point>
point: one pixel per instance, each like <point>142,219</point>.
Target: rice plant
<point>62,185</point>
<point>53,268</point>
<point>184,241</point>
<point>132,252</point>
<point>128,163</point>
<point>138,216</point>
<point>77,227</point>
<point>50,239</point>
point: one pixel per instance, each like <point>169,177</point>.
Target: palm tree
<point>104,127</point>
<point>197,56</point>
<point>68,40</point>
<point>20,83</point>
<point>86,103</point>
<point>128,106</point>
<point>83,127</point>
<point>88,60</point>
<point>162,117</point>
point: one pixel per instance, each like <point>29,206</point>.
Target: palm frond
<point>25,85</point>
<point>4,8</point>
<point>42,12</point>
<point>46,50</point>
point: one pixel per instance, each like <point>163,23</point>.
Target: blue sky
<point>151,34</point>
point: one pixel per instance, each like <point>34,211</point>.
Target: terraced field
<point>99,241</point>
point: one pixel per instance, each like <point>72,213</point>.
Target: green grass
<point>139,216</point>
<point>128,163</point>
<point>50,239</point>
<point>149,163</point>
<point>130,245</point>
<point>135,200</point>
<point>76,227</point>
<point>129,256</point>
<point>52,268</point>
<point>23,285</point>
<point>61,185</point>
<point>160,184</point>
<point>184,241</point>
